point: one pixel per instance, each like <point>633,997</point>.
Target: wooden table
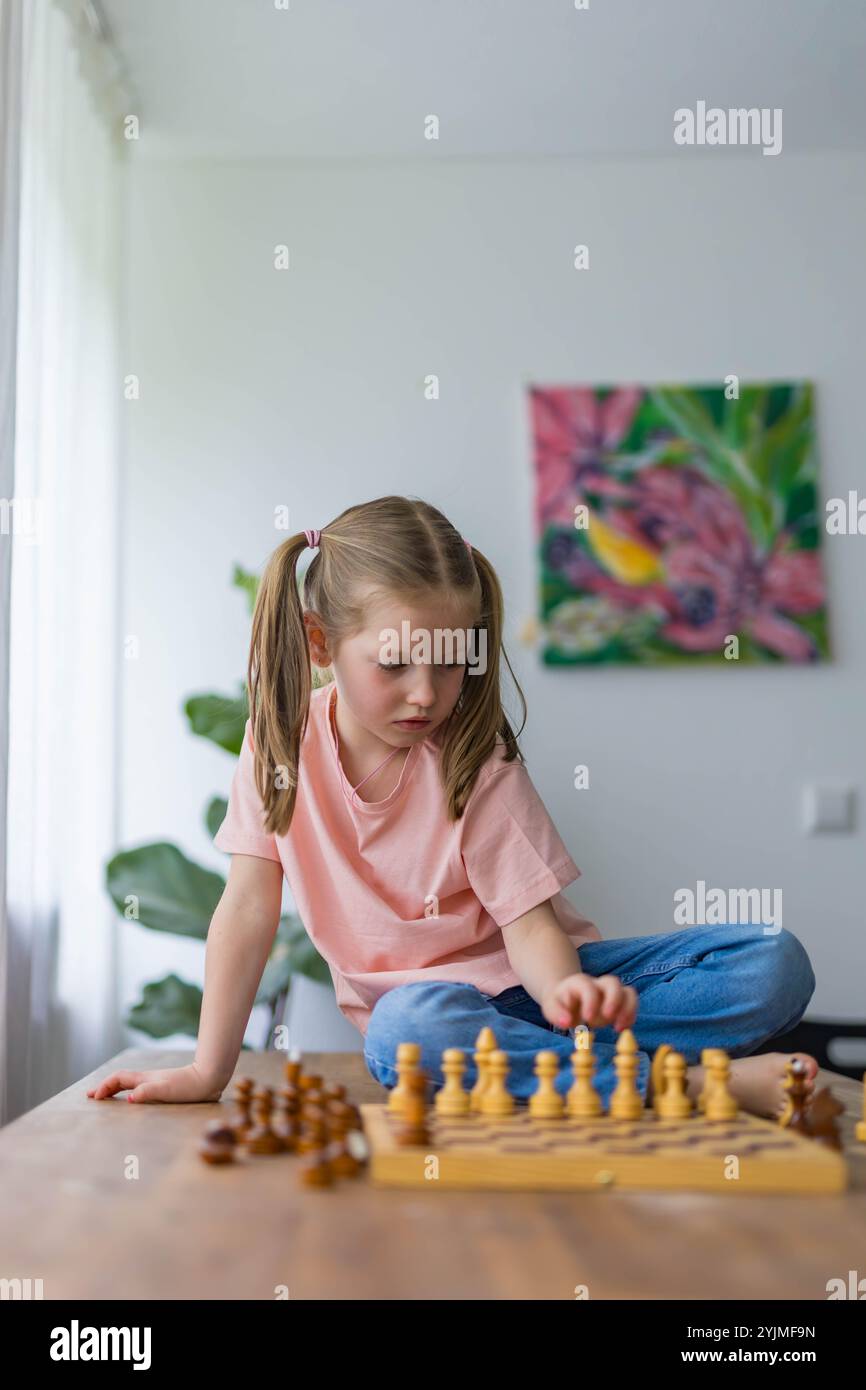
<point>104,1200</point>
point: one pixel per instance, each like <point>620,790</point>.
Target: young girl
<point>423,863</point>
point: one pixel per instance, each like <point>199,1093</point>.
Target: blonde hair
<point>391,547</point>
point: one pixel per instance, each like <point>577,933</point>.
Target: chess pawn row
<point>671,1100</point>
<point>491,1097</point>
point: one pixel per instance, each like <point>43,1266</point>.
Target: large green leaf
<point>171,893</point>
<point>215,814</point>
<point>220,718</point>
<point>293,953</point>
<point>167,1006</point>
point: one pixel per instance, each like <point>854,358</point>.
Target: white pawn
<point>583,1101</point>
<point>485,1044</point>
<point>674,1103</point>
<point>497,1101</point>
<point>408,1063</point>
<point>721,1105</point>
<point>452,1099</point>
<point>546,1103</point>
<point>626,1103</point>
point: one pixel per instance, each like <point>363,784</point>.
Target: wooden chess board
<point>520,1152</point>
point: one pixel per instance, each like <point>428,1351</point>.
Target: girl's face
<point>403,666</point>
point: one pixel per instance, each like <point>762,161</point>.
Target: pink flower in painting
<point>716,582</point>
<point>575,432</point>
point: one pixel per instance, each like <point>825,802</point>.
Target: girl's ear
<point>319,653</point>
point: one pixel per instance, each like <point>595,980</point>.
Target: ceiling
<point>355,79</point>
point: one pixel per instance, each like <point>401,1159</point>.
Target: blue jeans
<point>731,986</point>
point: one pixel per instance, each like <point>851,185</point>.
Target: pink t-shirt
<point>392,891</point>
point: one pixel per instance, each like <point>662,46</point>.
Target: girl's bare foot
<point>756,1083</point>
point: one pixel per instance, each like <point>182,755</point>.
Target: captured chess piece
<point>452,1099</point>
<point>307,1083</point>
<point>314,1129</point>
<point>415,1128</point>
<point>343,1162</point>
<point>286,1122</point>
<point>546,1103</point>
<point>583,1101</point>
<point>626,1103</point>
<point>292,1067</point>
<point>218,1143</point>
<point>496,1100</point>
<point>315,1170</point>
<point>674,1103</point>
<point>334,1090</point>
<point>485,1044</point>
<point>240,1121</point>
<point>261,1139</point>
<point>408,1064</point>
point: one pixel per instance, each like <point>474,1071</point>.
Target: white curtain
<point>65,647</point>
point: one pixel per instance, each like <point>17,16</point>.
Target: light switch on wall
<point>828,808</point>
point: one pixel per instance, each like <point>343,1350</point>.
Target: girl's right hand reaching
<point>175,1084</point>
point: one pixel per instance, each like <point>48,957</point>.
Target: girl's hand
<point>176,1084</point>
<point>593,1001</point>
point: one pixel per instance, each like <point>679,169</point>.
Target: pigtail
<point>279,683</point>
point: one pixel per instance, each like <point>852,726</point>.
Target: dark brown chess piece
<point>218,1143</point>
<point>822,1119</point>
<point>286,1123</point>
<point>343,1162</point>
<point>314,1130</point>
<point>240,1121</point>
<point>794,1116</point>
<point>315,1171</point>
<point>308,1082</point>
<point>261,1139</point>
<point>292,1070</point>
<point>313,1097</point>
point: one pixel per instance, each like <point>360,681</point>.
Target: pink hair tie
<point>468,546</point>
<point>313,539</point>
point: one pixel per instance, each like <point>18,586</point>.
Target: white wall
<point>304,387</point>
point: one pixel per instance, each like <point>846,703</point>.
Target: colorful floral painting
<point>671,520</point>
